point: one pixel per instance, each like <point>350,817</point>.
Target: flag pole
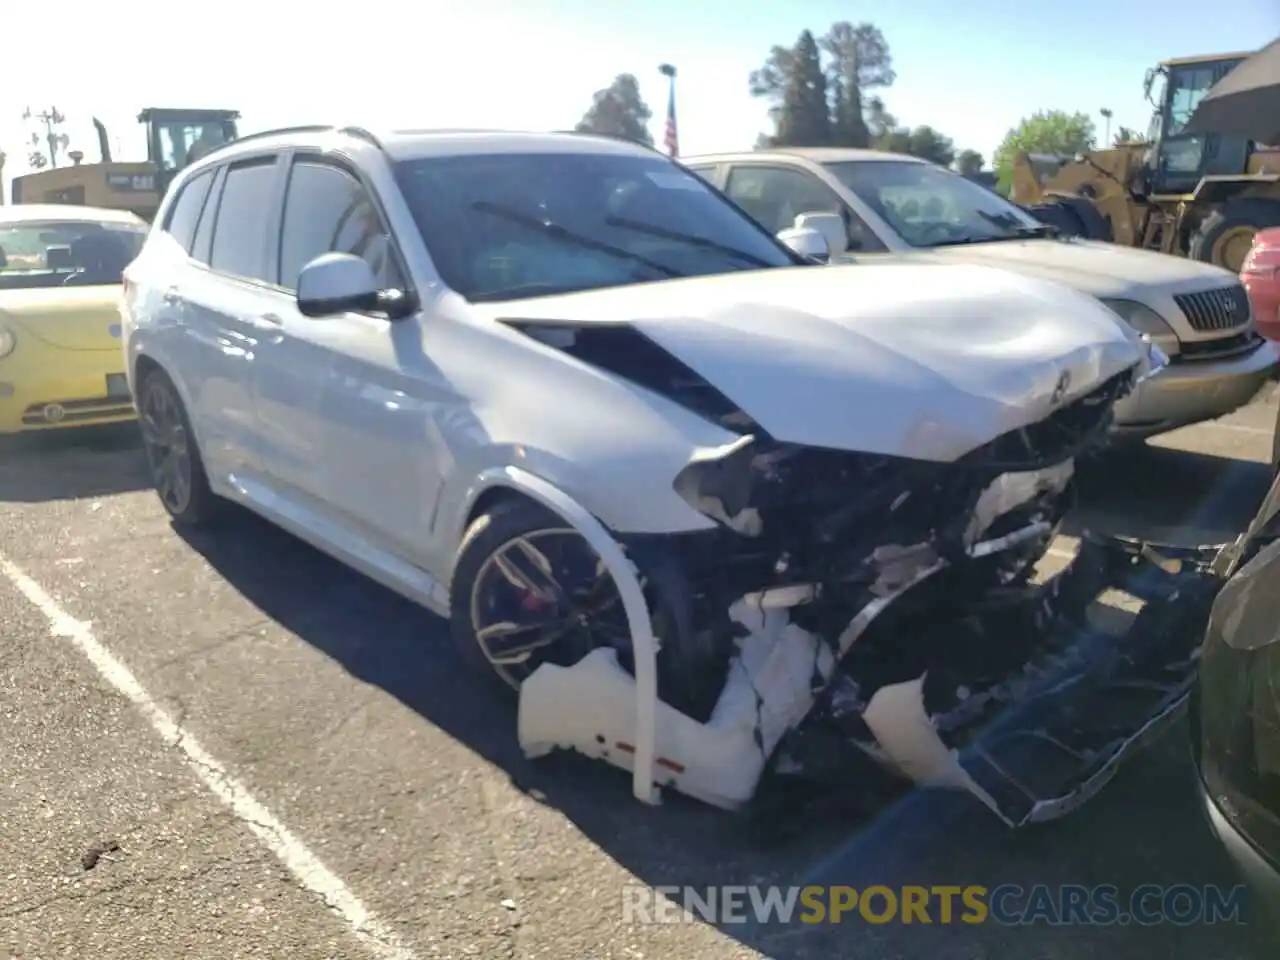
<point>670,140</point>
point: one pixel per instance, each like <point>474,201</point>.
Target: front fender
<point>622,500</point>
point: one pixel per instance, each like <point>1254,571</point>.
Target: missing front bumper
<point>1046,744</point>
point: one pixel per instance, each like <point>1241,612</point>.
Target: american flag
<point>671,142</point>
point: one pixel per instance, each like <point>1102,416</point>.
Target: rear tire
<point>177,470</point>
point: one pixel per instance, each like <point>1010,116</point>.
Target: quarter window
<point>239,234</point>
<point>327,210</point>
<point>181,224</point>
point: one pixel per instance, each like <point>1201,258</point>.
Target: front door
<point>377,472</point>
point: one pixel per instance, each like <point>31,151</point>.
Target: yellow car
<point>61,362</point>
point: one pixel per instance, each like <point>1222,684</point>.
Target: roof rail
<point>359,132</point>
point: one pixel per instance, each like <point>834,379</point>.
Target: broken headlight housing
<point>804,492</point>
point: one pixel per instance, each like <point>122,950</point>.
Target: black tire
<point>200,505</point>
<point>685,679</point>
<point>1236,216</point>
<point>508,519</point>
<point>1059,215</point>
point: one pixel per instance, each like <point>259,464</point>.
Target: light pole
<point>1106,113</point>
<point>670,140</point>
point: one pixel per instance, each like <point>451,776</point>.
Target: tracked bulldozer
<point>175,138</point>
<point>1193,195</point>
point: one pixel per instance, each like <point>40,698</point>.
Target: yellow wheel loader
<point>1192,195</point>
<point>175,137</point>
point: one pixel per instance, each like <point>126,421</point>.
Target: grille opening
<point>1222,309</point>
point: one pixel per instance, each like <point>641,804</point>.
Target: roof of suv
<point>815,154</point>
<point>413,144</point>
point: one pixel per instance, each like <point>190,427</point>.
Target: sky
<point>971,68</point>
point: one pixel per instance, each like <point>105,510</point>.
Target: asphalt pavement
<point>230,746</point>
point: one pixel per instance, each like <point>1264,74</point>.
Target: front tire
<point>177,470</point>
<point>1225,236</point>
<point>527,589</point>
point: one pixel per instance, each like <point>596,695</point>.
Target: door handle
<point>274,319</point>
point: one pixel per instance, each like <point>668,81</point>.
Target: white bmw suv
<point>643,455</point>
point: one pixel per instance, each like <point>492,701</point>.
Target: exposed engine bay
<point>812,630</point>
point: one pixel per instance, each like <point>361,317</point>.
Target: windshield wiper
<point>692,239</point>
<point>1017,233</point>
<point>569,236</point>
<point>1006,222</point>
<point>1039,230</point>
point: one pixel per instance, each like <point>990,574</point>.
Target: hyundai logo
<point>114,330</point>
<point>54,412</point>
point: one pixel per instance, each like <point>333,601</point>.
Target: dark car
<point>1235,714</point>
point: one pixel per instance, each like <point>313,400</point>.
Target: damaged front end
<point>850,605</point>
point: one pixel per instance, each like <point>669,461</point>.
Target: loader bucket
<point>1030,172</point>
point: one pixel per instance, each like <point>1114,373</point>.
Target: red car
<point>1261,277</point>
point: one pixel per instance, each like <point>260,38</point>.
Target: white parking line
<point>310,872</point>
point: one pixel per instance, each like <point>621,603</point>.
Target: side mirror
<point>809,244</point>
<point>830,225</point>
<point>336,283</point>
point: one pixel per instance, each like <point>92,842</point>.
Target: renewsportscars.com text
<point>1007,905</point>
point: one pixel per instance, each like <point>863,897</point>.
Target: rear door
<point>178,296</point>
<point>228,296</point>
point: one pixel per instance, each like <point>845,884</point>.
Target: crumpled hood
<point>902,359</point>
<point>1100,269</point>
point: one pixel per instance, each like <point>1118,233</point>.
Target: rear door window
<point>204,232</point>
<point>239,233</point>
<point>185,213</point>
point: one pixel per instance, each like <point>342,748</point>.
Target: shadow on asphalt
<point>72,464</point>
<point>1145,828</point>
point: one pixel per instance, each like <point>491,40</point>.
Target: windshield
<point>507,225</point>
<point>1186,87</point>
<point>928,206</point>
<point>66,253</point>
